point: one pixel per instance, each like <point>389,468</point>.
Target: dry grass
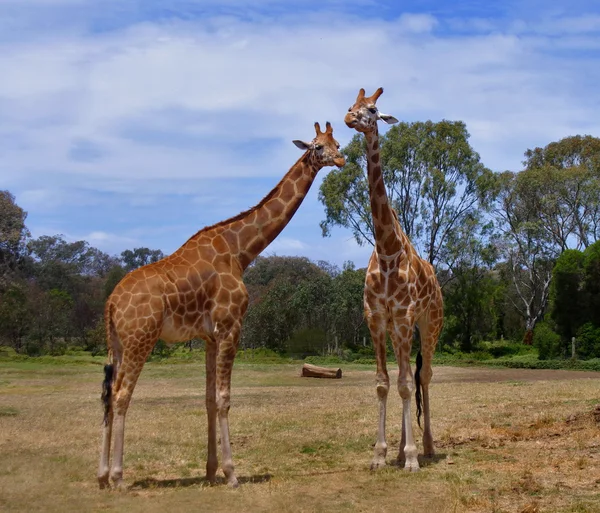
<point>301,444</point>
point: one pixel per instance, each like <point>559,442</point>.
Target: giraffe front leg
<point>378,333</point>
<point>405,388</point>
<point>227,351</point>
<point>212,461</point>
<point>401,459</point>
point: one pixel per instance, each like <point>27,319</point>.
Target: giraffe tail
<point>107,390</point>
<point>109,368</point>
<point>418,396</point>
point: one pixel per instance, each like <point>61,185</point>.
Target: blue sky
<point>136,123</point>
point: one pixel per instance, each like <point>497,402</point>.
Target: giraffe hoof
<point>414,467</point>
<point>377,464</point>
<point>233,483</point>
<point>103,482</point>
<point>119,485</point>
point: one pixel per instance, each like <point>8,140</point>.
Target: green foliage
<point>547,342</point>
<point>162,350</point>
<point>568,201</point>
<point>588,341</point>
<point>433,177</point>
<point>139,257</point>
<point>307,342</point>
<point>501,349</point>
<point>568,300</point>
<point>113,277</point>
<point>495,270</point>
<point>591,283</point>
<point>13,234</point>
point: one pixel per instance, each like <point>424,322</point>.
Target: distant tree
<point>287,295</point>
<point>51,312</point>
<point>568,298</point>
<point>113,277</point>
<point>15,320</point>
<point>347,308</point>
<point>566,178</point>
<point>527,248</point>
<point>433,177</point>
<point>60,264</point>
<point>13,236</point>
<point>591,284</point>
<point>140,257</point>
<point>470,288</point>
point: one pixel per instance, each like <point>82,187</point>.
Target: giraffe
<point>401,290</point>
<point>198,292</point>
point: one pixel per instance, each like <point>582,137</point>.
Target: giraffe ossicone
<point>198,292</point>
<point>401,290</point>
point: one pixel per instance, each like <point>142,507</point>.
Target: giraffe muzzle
<point>351,120</point>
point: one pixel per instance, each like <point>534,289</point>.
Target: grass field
<point>506,440</point>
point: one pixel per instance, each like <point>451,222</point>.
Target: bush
<point>307,342</point>
<point>260,355</point>
<point>162,350</point>
<point>588,342</point>
<point>502,348</point>
<point>547,342</point>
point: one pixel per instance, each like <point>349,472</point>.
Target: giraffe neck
<point>388,240</point>
<point>260,225</point>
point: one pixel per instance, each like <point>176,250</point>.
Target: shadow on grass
<point>423,461</point>
<point>150,482</point>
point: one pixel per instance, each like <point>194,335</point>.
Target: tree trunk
<point>528,338</point>
<point>312,371</point>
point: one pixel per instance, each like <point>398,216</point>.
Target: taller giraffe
<point>198,292</point>
<point>401,289</point>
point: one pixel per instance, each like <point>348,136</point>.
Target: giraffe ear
<point>303,145</point>
<point>390,120</point>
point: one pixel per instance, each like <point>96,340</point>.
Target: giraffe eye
<point>349,109</point>
<point>372,110</point>
<point>318,146</point>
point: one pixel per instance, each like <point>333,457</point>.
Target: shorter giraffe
<point>401,290</point>
<point>198,292</point>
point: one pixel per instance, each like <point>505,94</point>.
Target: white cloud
<point>161,108</point>
<point>286,245</point>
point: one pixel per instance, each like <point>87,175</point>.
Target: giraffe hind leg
<point>212,461</point>
<point>429,334</point>
<point>128,373</point>
<point>227,350</point>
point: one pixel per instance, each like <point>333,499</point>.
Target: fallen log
<point>312,371</point>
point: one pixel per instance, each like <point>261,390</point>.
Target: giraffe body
<point>198,292</point>
<point>401,290</point>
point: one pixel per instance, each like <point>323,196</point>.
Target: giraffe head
<point>363,115</point>
<point>324,149</point>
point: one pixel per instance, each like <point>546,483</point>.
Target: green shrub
<point>547,342</point>
<point>162,350</point>
<point>307,342</point>
<point>7,352</point>
<point>506,348</point>
<point>588,341</point>
<point>260,355</point>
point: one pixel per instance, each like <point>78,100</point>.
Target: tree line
<point>516,253</point>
